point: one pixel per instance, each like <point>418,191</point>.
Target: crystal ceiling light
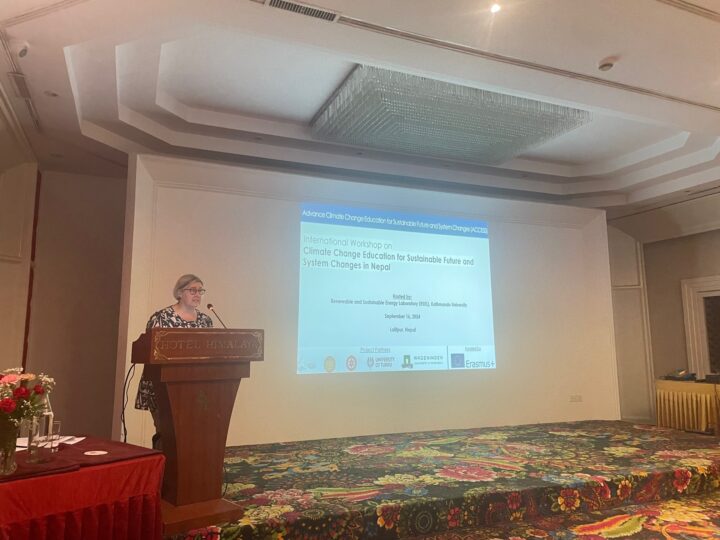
<point>398,112</point>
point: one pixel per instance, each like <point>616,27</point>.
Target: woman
<point>184,313</point>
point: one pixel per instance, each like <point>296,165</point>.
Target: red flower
<point>569,500</point>
<point>21,393</point>
<point>7,405</point>
<point>682,479</point>
<point>39,390</point>
<point>369,449</point>
<point>454,517</point>
<point>514,500</point>
<point>602,491</point>
<point>624,489</point>
<point>388,515</point>
<point>467,473</point>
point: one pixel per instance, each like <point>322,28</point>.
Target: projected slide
<point>384,291</point>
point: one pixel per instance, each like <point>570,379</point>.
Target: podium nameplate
<point>182,345</point>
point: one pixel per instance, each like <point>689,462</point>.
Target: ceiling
<point>241,81</point>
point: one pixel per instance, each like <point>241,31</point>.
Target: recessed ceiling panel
<point>395,111</point>
<point>604,138</point>
<point>241,81</point>
<point>250,76</point>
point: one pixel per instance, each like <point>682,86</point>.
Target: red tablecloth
<point>107,501</point>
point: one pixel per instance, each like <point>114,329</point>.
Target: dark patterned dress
<point>165,318</point>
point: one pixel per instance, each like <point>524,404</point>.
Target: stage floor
<point>674,519</point>
<point>520,481</point>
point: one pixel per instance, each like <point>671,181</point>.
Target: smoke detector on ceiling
<point>606,64</point>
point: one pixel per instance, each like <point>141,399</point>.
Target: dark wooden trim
<point>31,274</point>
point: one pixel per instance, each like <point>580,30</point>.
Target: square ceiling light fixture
<point>398,112</point>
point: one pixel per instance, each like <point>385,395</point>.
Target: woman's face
<point>191,295</point>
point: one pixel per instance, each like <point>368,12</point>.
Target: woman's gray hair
<point>182,282</point>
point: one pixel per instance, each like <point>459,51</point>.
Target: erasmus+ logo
<point>457,360</point>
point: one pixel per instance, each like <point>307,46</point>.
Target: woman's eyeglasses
<point>193,290</point>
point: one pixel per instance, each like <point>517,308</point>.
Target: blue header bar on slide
<point>396,221</point>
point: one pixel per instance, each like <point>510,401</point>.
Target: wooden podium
<point>196,373</point>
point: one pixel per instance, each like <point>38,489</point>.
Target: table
<point>103,498</point>
<point>687,405</point>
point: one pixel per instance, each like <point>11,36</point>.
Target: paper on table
<point>69,439</point>
<point>22,442</point>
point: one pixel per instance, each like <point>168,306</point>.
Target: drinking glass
<point>54,436</point>
<point>38,429</point>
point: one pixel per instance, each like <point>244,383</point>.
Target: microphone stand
<point>212,308</point>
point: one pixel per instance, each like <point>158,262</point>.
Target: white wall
<point>17,210</point>
<point>238,228</point>
<point>76,296</point>
<point>657,249</point>
<point>632,330</point>
<point>666,264</point>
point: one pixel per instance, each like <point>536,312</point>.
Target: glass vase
<point>8,442</point>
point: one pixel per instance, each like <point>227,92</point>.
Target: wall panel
<point>238,229</point>
<point>17,193</point>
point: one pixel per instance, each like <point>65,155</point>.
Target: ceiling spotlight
<point>495,8</point>
<point>606,64</point>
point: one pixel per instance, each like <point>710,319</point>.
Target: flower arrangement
<point>22,395</point>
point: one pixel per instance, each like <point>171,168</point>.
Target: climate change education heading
<point>376,219</point>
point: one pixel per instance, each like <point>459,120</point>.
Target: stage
<point>584,479</point>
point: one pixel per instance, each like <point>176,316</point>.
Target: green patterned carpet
<point>587,480</point>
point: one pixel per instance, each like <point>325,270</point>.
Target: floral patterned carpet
<point>683,519</point>
<point>589,480</point>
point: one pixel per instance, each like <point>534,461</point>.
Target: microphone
<point>212,308</point>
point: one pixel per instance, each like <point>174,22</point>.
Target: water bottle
<point>46,422</point>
